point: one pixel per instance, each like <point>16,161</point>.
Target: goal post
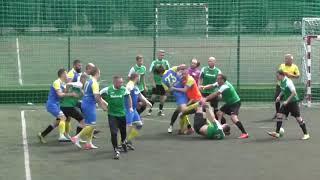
<point>310,59</point>
<point>178,24</point>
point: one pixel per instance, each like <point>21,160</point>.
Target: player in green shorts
<point>205,124</point>
<point>232,102</point>
<point>140,69</point>
<point>156,79</point>
<point>290,105</point>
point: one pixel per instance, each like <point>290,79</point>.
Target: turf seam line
<point>25,146</point>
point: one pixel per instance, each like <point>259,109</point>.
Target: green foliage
<point>220,13</point>
<point>141,13</point>
<point>100,15</point>
<point>254,15</point>
<point>177,17</point>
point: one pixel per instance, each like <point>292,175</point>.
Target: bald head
<point>212,62</point>
<point>288,59</point>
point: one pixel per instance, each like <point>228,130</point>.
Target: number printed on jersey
<point>171,79</point>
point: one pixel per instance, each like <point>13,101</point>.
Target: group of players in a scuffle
<point>196,92</point>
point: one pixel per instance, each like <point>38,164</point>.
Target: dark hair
<point>280,72</point>
<point>139,57</point>
<point>133,76</point>
<point>95,70</point>
<point>61,71</point>
<point>226,129</point>
<point>77,61</point>
<point>223,77</point>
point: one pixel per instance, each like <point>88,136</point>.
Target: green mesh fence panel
<point>248,38</point>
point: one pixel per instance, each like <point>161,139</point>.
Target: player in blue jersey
<point>75,73</point>
<point>88,105</point>
<point>173,78</point>
<point>57,91</point>
<point>133,118</point>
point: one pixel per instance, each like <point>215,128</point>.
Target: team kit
<point>76,95</point>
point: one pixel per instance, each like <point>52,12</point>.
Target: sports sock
<point>174,117</point>
<point>160,107</point>
<point>68,127</point>
<point>279,124</point>
<point>277,104</point>
<point>303,127</point>
<point>132,134</point>
<point>240,126</point>
<point>47,130</point>
<point>141,109</point>
<point>62,127</point>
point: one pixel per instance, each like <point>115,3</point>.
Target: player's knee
<point>139,125</point>
<point>300,120</point>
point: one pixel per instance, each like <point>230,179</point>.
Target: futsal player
<point>194,70</point>
<point>75,73</point>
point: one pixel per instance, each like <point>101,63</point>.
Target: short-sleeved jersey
<point>141,70</point>
<point>91,88</point>
<point>193,92</point>
<point>71,101</point>
<point>229,94</point>
<point>155,64</point>
<point>287,87</point>
<point>57,85</point>
<point>134,93</point>
<point>195,73</point>
<point>215,131</point>
<point>293,69</point>
<point>209,76</point>
<point>73,75</point>
<point>171,78</point>
<point>115,99</point>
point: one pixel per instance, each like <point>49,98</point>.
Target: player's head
<point>159,70</point>
<point>95,72</point>
<point>288,59</point>
<point>194,63</point>
<point>62,74</point>
<point>161,54</point>
<point>77,65</point>
<point>139,60</point>
<point>185,73</point>
<point>221,79</point>
<point>226,129</point>
<point>212,62</point>
<point>89,68</point>
<point>134,77</point>
<point>280,75</point>
<point>117,81</point>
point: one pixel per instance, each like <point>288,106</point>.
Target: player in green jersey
<point>290,105</point>
<point>140,69</point>
<point>115,95</point>
<point>157,88</point>
<point>232,102</point>
<point>205,124</point>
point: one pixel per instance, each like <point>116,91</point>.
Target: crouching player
<point>134,123</point>
<point>205,124</point>
<point>290,105</point>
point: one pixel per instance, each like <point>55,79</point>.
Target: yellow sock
<point>85,132</point>
<point>192,106</point>
<point>68,127</point>
<point>187,121</point>
<point>182,122</point>
<point>133,133</point>
<point>62,127</point>
<point>90,134</point>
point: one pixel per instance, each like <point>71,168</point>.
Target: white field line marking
<point>25,146</point>
<point>19,63</point>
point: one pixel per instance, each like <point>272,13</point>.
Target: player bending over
<point>290,105</point>
<point>88,106</point>
<point>134,123</point>
<point>232,102</point>
<point>57,91</point>
<point>205,124</point>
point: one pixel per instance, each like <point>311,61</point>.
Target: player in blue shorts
<point>88,106</point>
<point>133,118</point>
<point>57,91</point>
<point>173,78</point>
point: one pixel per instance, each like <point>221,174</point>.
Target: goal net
<point>311,59</point>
